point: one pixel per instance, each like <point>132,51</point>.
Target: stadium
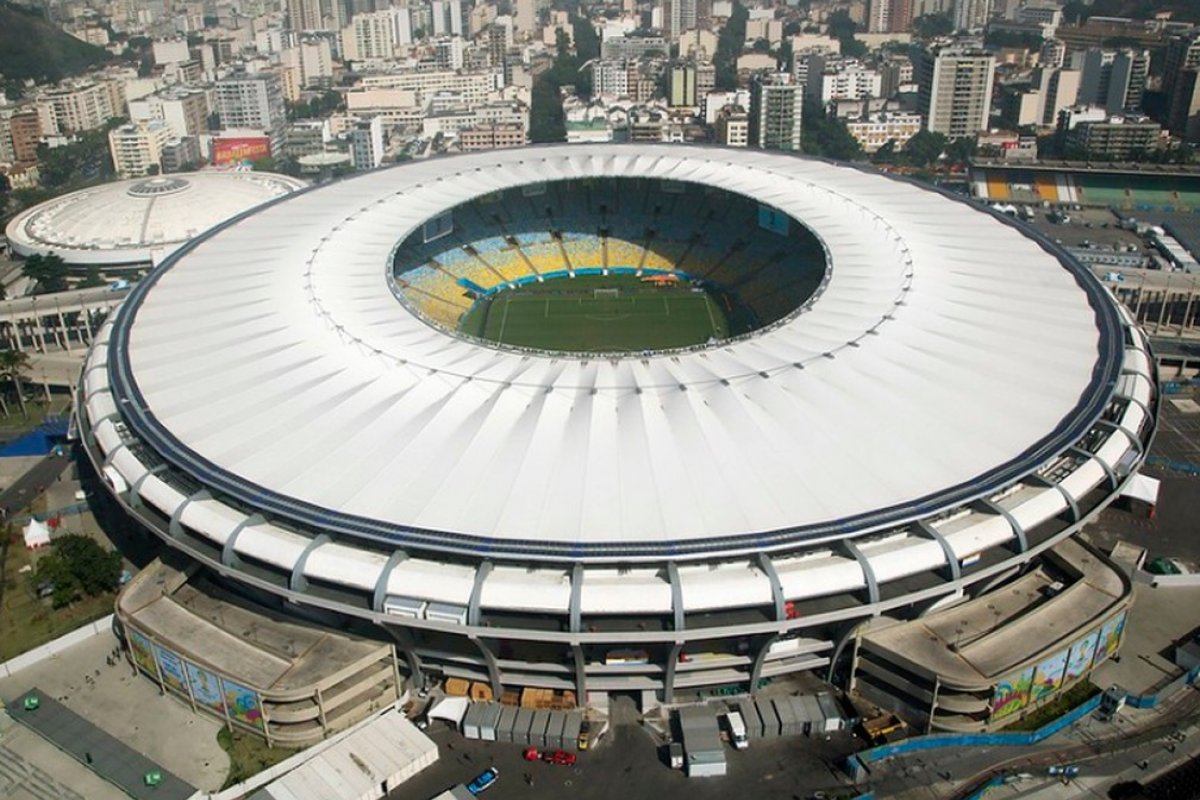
<point>136,223</point>
<point>609,419</point>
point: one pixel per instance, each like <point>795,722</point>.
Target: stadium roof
<point>949,355</point>
<point>139,221</point>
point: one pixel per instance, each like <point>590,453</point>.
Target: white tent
<point>1142,487</point>
<point>451,709</point>
<point>37,534</point>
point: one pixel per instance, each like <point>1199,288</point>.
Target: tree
<point>923,149</point>
<point>886,154</point>
<point>929,26</point>
<point>78,565</point>
<point>825,135</point>
<point>49,272</point>
<point>729,47</point>
<point>92,279</point>
<point>13,364</point>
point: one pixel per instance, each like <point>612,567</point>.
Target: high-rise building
<point>971,15</point>
<point>1059,89</point>
<point>137,147</point>
<point>377,35</point>
<point>1183,53</point>
<point>447,17</point>
<point>733,126</point>
<point>889,16</point>
<point>1184,119</point>
<point>955,94</point>
<point>678,16</point>
<point>682,85</point>
<point>1114,79</point>
<point>366,144</point>
<point>525,17</point>
<point>252,101</point>
<point>25,130</point>
<point>304,15</point>
<point>80,105</point>
<point>776,110</point>
<point>843,79</point>
<point>184,110</point>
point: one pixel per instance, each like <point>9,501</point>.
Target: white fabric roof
<point>945,345</point>
<point>134,221</point>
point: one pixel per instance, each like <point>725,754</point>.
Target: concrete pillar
<point>62,325</point>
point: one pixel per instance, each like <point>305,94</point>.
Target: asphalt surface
<point>627,765</point>
<point>23,490</point>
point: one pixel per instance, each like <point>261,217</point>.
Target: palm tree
<point>12,364</point>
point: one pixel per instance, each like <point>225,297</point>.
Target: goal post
<point>606,294</point>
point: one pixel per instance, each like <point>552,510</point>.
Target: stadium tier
<point>892,425</point>
<point>1124,191</point>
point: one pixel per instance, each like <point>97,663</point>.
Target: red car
<point>532,754</point>
<point>560,758</point>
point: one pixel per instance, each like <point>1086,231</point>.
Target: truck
<point>737,730</point>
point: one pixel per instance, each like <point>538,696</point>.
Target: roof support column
<point>481,574</point>
<point>1128,398</point>
<point>493,667</point>
<point>669,673</point>
<point>1018,528</point>
<point>760,658</point>
<point>768,568</point>
<point>575,612</point>
<point>580,674</point>
<point>865,565</point>
<point>380,594</point>
<point>953,567</point>
<point>175,528</point>
<point>298,582</point>
<point>1049,484</point>
<point>1113,480</point>
<point>1134,439</point>
<point>676,594</point>
<point>228,556</point>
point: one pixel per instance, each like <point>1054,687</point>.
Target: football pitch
<point>597,314</point>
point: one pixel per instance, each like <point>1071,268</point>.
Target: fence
<point>55,647</point>
<point>857,764</point>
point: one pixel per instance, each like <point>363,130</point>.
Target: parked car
<point>483,781</point>
<point>531,754</point>
<point>559,758</point>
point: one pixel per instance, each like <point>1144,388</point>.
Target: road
<point>32,483</point>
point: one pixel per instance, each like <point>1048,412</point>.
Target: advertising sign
<point>242,703</point>
<point>1080,657</point>
<point>1012,694</point>
<point>143,653</point>
<point>1110,639</point>
<point>235,149</point>
<point>1048,677</point>
<point>206,688</point>
<point>172,670</point>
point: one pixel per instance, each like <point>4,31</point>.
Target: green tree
<point>13,364</point>
<point>928,26</point>
<point>587,43</point>
<point>49,272</point>
<point>842,28</point>
<point>729,47</point>
<point>546,120</point>
<point>92,279</point>
<point>825,135</point>
<point>923,149</point>
<point>78,565</point>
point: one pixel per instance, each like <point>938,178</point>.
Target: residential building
<point>473,87</point>
<point>181,154</point>
<point>447,17</point>
<point>971,15</point>
<point>183,109</point>
<point>876,130</point>
<point>25,130</point>
<point>776,110</point>
<point>610,77</point>
<point>889,16</point>
<point>843,79</point>
<point>733,127</point>
<point>366,144</point>
<point>170,51</point>
<point>252,101</point>
<point>137,147</point>
<point>1184,119</point>
<point>633,47</point>
<point>1117,137</point>
<point>1182,53</point>
<point>491,136</point>
<point>1115,79</point>
<point>955,90</point>
<point>377,35</point>
<point>80,105</point>
<point>682,86</point>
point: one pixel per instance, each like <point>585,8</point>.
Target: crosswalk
<point>20,780</point>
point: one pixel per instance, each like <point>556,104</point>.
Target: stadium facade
<point>926,427</point>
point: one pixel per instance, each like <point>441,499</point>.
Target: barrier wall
<point>857,764</point>
<point>103,625</point>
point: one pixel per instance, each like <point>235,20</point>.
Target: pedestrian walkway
<point>19,778</point>
<point>132,772</point>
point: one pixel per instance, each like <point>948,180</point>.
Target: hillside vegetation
<point>33,48</point>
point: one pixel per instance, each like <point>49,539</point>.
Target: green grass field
<point>566,314</point>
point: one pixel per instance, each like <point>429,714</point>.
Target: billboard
<point>771,220</point>
<point>206,688</point>
<point>1012,694</point>
<point>143,653</point>
<point>1079,659</point>
<point>242,703</point>
<point>1110,639</point>
<point>1048,677</point>
<point>172,670</point>
<point>235,149</point>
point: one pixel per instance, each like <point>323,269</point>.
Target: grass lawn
<point>26,621</point>
<point>567,314</point>
<point>248,754</point>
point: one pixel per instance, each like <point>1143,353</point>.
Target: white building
<point>776,110</point>
<point>184,110</point>
<point>955,95</point>
<point>377,35</point>
<point>366,144</point>
<point>137,147</point>
<point>252,101</point>
<point>842,79</point>
<point>876,130</point>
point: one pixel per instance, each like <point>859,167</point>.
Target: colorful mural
<point>1012,694</point>
<point>206,688</point>
<point>1079,659</point>
<point>143,653</point>
<point>172,670</point>
<point>1110,639</point>
<point>243,704</point>
<point>1048,677</point>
